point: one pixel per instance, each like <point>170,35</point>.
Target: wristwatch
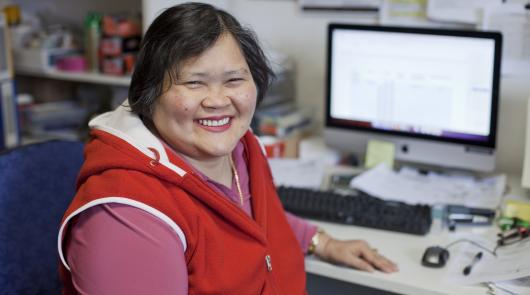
<point>314,242</point>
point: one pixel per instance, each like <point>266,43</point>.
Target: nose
<point>216,99</point>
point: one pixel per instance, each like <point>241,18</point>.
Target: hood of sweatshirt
<point>121,140</point>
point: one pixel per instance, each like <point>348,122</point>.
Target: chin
<point>219,151</point>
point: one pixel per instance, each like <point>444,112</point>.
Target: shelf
<point>95,78</point>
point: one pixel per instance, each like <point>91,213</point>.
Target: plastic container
<point>92,40</point>
<point>72,63</point>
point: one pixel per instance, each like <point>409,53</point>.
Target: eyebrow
<point>227,73</point>
<point>240,71</point>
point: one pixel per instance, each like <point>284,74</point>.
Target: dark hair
<point>182,32</point>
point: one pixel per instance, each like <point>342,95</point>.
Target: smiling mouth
<point>214,123</point>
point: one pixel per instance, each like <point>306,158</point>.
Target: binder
<point>9,128</point>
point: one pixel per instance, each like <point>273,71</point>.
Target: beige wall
<point>283,26</point>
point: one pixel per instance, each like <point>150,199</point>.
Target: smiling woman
<point>207,110</point>
<point>175,195</point>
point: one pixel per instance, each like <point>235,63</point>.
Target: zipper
<point>268,262</point>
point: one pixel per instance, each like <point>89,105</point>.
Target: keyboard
<point>356,208</point>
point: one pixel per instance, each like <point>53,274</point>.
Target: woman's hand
<point>354,253</point>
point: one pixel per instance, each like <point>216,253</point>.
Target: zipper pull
<point>269,263</point>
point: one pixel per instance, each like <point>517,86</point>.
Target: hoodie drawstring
<point>154,161</point>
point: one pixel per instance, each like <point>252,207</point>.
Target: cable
<point>512,243</point>
<point>492,252</point>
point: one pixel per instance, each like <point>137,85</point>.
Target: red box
<point>113,66</point>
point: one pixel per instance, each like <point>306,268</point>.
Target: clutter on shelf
<point>108,44</point>
<point>281,127</point>
<point>281,120</point>
<point>41,49</point>
<point>119,44</point>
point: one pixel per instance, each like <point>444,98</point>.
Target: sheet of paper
<point>297,173</point>
<point>316,148</point>
<point>378,152</point>
<point>340,4</point>
<point>464,11</point>
<point>410,186</point>
<point>399,12</point>
<point>519,286</point>
<point>511,262</point>
<point>513,21</point>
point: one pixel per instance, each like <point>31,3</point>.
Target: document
<point>399,12</point>
<point>512,262</point>
<point>519,286</point>
<point>463,11</point>
<point>297,172</point>
<point>513,21</point>
<point>410,186</point>
<point>362,5</point>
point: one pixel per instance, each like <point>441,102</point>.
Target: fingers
<point>358,254</point>
<point>359,263</point>
<point>382,263</point>
<point>379,261</point>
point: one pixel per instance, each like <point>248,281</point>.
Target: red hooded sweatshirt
<point>226,251</point>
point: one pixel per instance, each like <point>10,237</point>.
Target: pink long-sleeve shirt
<point>119,249</point>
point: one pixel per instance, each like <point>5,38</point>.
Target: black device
<point>463,215</point>
<point>356,208</point>
<point>435,256</point>
<point>469,215</point>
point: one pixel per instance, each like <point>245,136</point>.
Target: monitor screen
<point>434,86</point>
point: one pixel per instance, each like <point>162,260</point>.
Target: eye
<point>234,81</point>
<point>193,84</point>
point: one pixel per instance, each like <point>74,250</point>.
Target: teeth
<point>214,123</point>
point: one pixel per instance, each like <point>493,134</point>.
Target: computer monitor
<point>432,92</point>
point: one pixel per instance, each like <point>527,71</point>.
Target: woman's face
<point>209,108</point>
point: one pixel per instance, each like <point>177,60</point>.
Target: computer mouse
<point>435,256</point>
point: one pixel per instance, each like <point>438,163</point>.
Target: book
<point>9,128</point>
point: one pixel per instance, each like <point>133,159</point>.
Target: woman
<point>175,195</point>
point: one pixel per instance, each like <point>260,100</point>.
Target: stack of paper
<point>410,186</point>
<point>507,273</point>
<point>297,172</point>
<point>519,286</point>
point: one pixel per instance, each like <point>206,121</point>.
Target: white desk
<point>404,249</point>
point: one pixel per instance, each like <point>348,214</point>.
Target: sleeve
<point>120,249</point>
<point>302,229</point>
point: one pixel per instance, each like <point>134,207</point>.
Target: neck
<point>217,169</point>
